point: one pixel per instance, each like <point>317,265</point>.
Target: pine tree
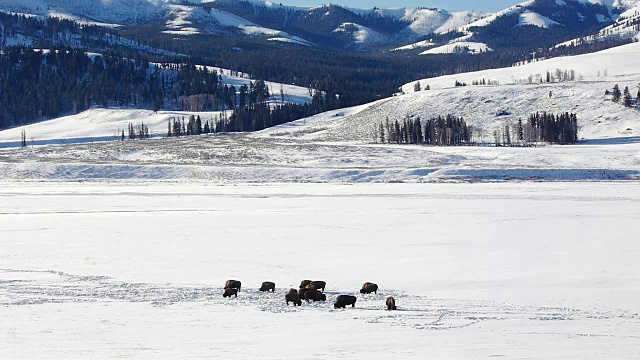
<point>169,128</point>
<point>627,97</point>
<point>520,130</point>
<point>198,125</point>
<point>381,133</point>
<point>616,93</point>
<point>417,87</point>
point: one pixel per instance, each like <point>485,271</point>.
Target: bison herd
<point>310,291</point>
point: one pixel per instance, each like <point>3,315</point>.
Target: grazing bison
<point>230,292</point>
<point>343,300</point>
<point>232,284</point>
<point>317,285</point>
<point>293,297</point>
<point>304,283</point>
<point>369,288</point>
<point>302,291</point>
<point>314,295</point>
<point>268,285</point>
<point>391,303</point>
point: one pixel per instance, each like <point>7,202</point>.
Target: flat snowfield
<point>487,270</point>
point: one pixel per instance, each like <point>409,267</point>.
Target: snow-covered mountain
<point>327,25</point>
<point>626,25</point>
<point>356,29</point>
<point>521,24</point>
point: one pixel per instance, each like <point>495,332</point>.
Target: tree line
<point>540,127</point>
<point>448,130</point>
<point>451,130</point>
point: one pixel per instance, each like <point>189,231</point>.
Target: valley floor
<point>258,158</point>
<point>135,269</point>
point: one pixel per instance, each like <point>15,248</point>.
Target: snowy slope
<point>112,11</point>
<point>535,19</point>
<point>620,62</point>
<point>189,20</point>
<point>428,21</point>
<point>361,34</point>
<point>459,47</point>
<point>626,26</point>
<point>599,116</point>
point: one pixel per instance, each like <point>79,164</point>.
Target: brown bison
<point>302,291</point>
<point>230,292</point>
<point>317,285</point>
<point>304,283</point>
<point>268,285</point>
<point>391,303</point>
<point>293,297</point>
<point>343,300</point>
<point>369,288</point>
<point>232,284</point>
<point>314,295</point>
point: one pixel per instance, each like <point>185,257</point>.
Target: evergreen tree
<point>616,93</point>
<point>198,125</point>
<point>627,97</point>
<point>520,130</point>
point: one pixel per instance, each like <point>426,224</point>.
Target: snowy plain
<point>135,270</point>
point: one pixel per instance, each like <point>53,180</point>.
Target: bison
<point>343,300</point>
<point>317,285</point>
<point>369,288</point>
<point>232,284</point>
<point>314,295</point>
<point>230,292</point>
<point>268,285</point>
<point>293,297</point>
<point>391,303</point>
<point>302,291</point>
<point>304,283</point>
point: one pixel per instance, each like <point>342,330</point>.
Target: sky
<point>485,5</point>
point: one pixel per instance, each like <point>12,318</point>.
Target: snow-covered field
<point>109,270</point>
